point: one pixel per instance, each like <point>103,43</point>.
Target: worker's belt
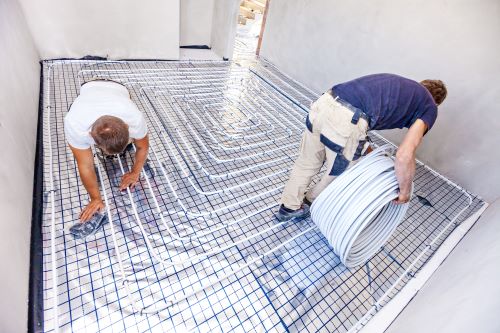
<point>357,112</point>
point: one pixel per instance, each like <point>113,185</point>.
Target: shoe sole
<point>282,218</point>
<point>98,228</point>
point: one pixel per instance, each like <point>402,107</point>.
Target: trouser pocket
<point>340,163</point>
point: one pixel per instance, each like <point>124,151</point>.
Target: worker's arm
<point>132,177</point>
<point>85,162</point>
<point>405,159</point>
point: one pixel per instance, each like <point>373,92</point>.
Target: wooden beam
<point>262,27</point>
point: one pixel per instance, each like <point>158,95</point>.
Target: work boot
<point>286,214</point>
<point>100,155</point>
<point>81,230</point>
<point>307,202</point>
<point>113,157</point>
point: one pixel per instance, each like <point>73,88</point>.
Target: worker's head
<point>110,134</point>
<point>437,90</point>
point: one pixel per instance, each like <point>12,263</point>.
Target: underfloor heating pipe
<point>356,212</point>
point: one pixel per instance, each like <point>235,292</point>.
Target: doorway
<point>251,24</point>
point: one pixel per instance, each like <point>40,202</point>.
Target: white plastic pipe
<point>356,212</point>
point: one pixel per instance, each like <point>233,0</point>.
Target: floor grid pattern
<point>196,246</point>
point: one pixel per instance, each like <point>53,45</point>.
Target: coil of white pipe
<point>356,212</point>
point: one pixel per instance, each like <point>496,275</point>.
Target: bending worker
<point>337,127</point>
<point>104,115</point>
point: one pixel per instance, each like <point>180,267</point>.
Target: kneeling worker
<point>337,127</point>
<point>105,116</point>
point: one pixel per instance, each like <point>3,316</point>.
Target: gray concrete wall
<point>19,85</point>
<point>196,22</point>
<point>463,295</point>
<point>118,29</point>
<point>323,42</point>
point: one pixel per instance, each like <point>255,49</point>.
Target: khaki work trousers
<point>332,137</point>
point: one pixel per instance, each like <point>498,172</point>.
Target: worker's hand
<point>94,206</point>
<point>130,179</point>
<point>402,198</point>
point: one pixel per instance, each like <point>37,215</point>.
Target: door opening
<point>251,25</point>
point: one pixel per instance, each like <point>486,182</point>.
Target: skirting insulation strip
<point>196,246</point>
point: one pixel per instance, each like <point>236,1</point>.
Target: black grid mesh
<point>223,138</point>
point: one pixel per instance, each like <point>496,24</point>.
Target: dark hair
<point>437,90</point>
<point>111,134</point>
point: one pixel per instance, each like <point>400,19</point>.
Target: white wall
<point>210,22</point>
<point>19,85</point>
<point>196,22</point>
<point>323,42</point>
<point>225,22</point>
<point>464,294</point>
<point>117,29</point>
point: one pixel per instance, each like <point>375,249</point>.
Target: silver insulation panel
<point>196,246</point>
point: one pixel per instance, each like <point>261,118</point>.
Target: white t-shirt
<point>97,99</point>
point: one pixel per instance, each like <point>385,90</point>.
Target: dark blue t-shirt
<point>391,101</point>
